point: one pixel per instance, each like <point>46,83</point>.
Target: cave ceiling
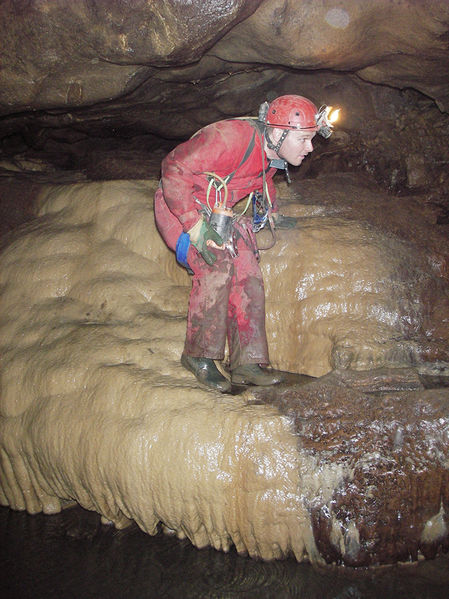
<point>81,80</point>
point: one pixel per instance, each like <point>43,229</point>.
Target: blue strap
<point>182,248</point>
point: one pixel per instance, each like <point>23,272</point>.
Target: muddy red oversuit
<point>227,299</point>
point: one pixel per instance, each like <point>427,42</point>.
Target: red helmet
<point>292,112</point>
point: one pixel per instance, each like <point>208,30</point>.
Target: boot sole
<point>242,381</point>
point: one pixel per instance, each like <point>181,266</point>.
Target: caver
<point>202,180</point>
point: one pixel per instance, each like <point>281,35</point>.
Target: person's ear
<point>275,135</point>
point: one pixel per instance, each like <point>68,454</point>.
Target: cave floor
<point>72,555</point>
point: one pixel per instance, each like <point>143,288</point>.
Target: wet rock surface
<point>354,241</point>
<point>93,324</point>
<point>95,51</point>
<point>116,51</point>
<point>391,444</point>
<point>133,83</point>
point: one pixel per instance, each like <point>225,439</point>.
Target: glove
<point>200,234</point>
<point>285,222</point>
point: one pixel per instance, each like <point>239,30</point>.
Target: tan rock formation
<point>96,408</point>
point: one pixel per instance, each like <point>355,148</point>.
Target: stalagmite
<point>96,408</point>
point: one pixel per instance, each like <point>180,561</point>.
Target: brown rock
<point>391,503</point>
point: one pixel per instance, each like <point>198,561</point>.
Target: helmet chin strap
<point>276,147</point>
<point>278,163</point>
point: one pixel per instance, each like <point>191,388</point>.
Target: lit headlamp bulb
<point>325,119</point>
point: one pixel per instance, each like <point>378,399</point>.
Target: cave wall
<point>94,88</point>
<point>99,51</point>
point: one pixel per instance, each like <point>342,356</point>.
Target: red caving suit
<point>227,299</point>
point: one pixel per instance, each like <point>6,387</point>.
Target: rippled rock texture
<point>113,84</point>
<point>101,50</point>
<point>96,408</point>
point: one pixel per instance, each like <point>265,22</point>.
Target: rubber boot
<point>253,374</point>
<point>206,373</point>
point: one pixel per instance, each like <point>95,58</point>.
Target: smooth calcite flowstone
<point>96,408</point>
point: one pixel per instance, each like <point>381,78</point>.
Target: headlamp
<point>325,119</point>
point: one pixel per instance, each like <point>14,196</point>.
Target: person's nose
<point>309,145</point>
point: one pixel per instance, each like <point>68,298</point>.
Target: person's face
<point>296,146</point>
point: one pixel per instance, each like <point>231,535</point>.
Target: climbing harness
<point>222,218</point>
<point>288,112</point>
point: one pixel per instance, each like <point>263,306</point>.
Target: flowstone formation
<point>96,409</point>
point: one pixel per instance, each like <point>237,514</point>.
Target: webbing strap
<point>246,155</point>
